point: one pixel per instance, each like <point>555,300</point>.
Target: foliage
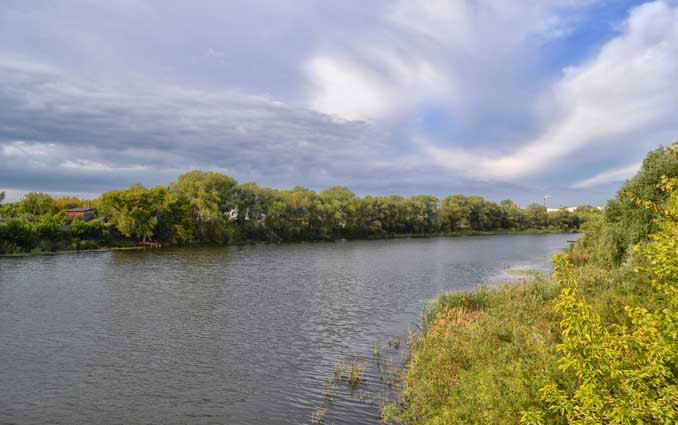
<point>621,374</point>
<point>208,207</point>
<point>210,197</point>
<point>17,236</point>
<point>481,357</point>
<point>62,204</point>
<point>537,216</point>
<point>624,373</point>
<point>132,211</point>
<point>36,203</point>
<point>94,231</point>
<point>143,213</point>
<point>625,222</point>
<point>603,351</point>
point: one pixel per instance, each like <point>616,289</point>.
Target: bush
<point>595,344</point>
<point>18,236</point>
<point>628,372</point>
<point>94,231</point>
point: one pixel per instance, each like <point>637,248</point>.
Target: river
<point>235,335</point>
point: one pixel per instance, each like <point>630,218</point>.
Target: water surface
<point>236,335</point>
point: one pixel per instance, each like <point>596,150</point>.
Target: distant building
<point>570,209</point>
<point>84,214</point>
<point>232,215</point>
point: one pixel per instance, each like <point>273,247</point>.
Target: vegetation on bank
<point>596,343</point>
<point>211,208</point>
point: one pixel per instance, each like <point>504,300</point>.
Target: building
<point>570,209</point>
<point>84,214</point>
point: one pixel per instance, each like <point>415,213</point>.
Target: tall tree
<point>454,213</point>
<point>132,211</point>
<point>36,203</point>
<point>210,195</point>
<point>537,216</point>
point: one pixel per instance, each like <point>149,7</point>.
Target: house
<point>568,209</point>
<point>84,214</point>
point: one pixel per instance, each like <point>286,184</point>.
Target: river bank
<point>480,356</point>
<point>595,343</point>
<point>485,356</point>
<point>130,246</point>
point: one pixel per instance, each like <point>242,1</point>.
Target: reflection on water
<point>238,335</point>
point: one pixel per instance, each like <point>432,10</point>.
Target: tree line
<point>212,208</point>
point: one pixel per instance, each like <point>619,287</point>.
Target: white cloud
<point>82,135</point>
<point>354,90</point>
<point>615,175</point>
<point>451,90</point>
<point>498,23</point>
<point>628,88</point>
<point>428,50</point>
<point>26,150</point>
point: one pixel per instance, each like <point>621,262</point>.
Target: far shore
<point>397,236</point>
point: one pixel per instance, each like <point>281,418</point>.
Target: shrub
<point>19,235</point>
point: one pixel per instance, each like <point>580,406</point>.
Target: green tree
<point>340,206</point>
<point>208,192</point>
<point>623,373</point>
<point>173,216</point>
<point>424,215</point>
<point>537,216</point>
<point>64,203</point>
<point>36,203</point>
<point>210,195</point>
<point>298,214</point>
<point>17,236</point>
<point>624,222</point>
<point>131,211</point>
<point>514,217</point>
<point>455,213</point>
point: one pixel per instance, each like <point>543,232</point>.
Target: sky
<point>501,98</point>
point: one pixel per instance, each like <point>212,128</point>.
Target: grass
<point>351,373</point>
<point>339,371</point>
<point>482,356</point>
<point>318,416</point>
<point>469,232</point>
<point>72,251</point>
<point>524,272</point>
<point>355,373</point>
<point>345,374</point>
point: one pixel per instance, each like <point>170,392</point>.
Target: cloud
<point>353,90</point>
<point>627,89</point>
<point>51,122</point>
<point>391,96</point>
<point>64,136</point>
<point>429,50</point>
<point>615,175</point>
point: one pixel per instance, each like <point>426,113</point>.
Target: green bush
<point>18,235</point>
<point>595,344</point>
<point>94,231</point>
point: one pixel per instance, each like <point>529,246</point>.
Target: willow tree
<point>211,197</point>
<point>131,211</point>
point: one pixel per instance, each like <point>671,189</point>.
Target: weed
<point>318,416</point>
<point>355,372</point>
<point>339,371</point>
